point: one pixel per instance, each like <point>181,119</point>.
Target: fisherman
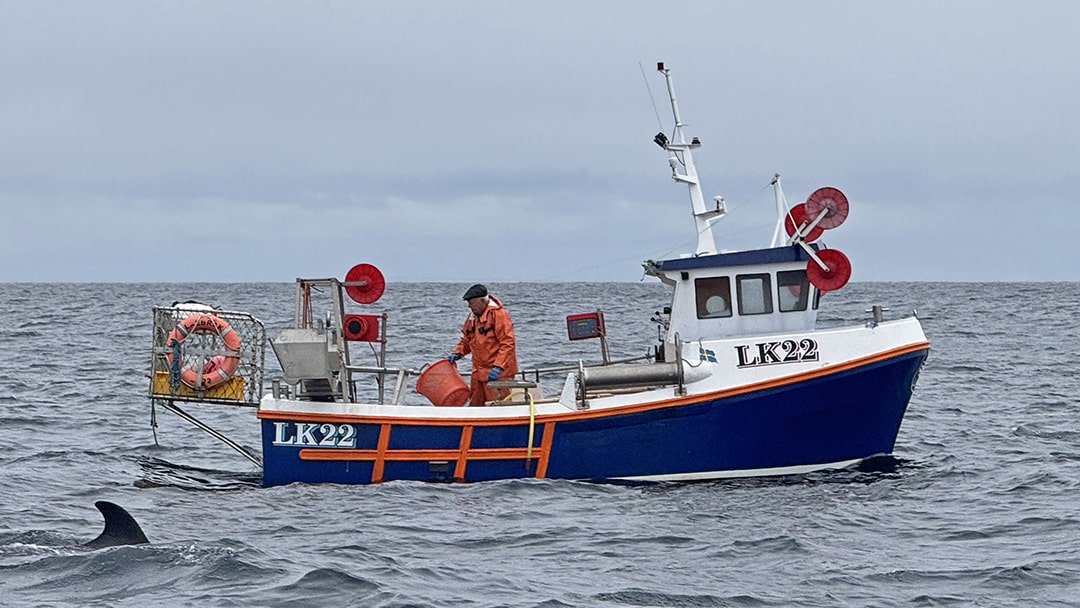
<point>488,334</point>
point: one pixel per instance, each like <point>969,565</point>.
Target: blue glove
<point>453,357</point>
<point>494,373</point>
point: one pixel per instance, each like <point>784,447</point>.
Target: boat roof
<point>773,255</point>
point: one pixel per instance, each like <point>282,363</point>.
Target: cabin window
<point>713,295</point>
<point>792,290</point>
<point>755,293</point>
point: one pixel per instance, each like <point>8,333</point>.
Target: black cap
<point>476,291</point>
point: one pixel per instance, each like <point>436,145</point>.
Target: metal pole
<point>172,407</point>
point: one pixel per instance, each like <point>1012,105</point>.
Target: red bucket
<point>441,383</point>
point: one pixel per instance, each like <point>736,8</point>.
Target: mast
<point>781,212</point>
<point>682,154</point>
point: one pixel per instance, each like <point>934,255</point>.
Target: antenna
<point>681,152</point>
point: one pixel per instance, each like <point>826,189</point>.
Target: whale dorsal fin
<point>120,528</point>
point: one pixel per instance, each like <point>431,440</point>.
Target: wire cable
<point>651,98</point>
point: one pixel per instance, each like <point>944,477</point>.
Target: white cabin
<point>754,292</point>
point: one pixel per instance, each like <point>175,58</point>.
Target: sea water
<point>979,505</point>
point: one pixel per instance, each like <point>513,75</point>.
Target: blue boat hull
<point>809,423</point>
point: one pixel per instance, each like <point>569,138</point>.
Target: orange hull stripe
<point>463,453</point>
<point>412,455</point>
<point>380,451</point>
<point>548,418</point>
<point>545,449</point>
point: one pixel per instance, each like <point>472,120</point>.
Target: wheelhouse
<point>742,293</point>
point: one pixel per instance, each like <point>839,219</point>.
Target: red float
<point>364,283</point>
<point>831,200</point>
<point>796,218</point>
<point>835,277</point>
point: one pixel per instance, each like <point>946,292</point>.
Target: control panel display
<point>585,325</point>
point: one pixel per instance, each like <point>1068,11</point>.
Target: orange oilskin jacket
<point>490,340</point>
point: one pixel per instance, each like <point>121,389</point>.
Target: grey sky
<point>504,141</point>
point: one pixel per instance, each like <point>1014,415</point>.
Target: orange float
<point>219,369</point>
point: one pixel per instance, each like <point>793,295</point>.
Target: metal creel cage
<point>202,354</point>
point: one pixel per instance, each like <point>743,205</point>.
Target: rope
<point>153,420</point>
<point>174,366</point>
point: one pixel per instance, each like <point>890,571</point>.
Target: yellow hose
<point>532,427</point>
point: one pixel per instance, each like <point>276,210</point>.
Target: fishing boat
<point>741,382</point>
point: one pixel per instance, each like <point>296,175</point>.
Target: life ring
<point>218,369</point>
